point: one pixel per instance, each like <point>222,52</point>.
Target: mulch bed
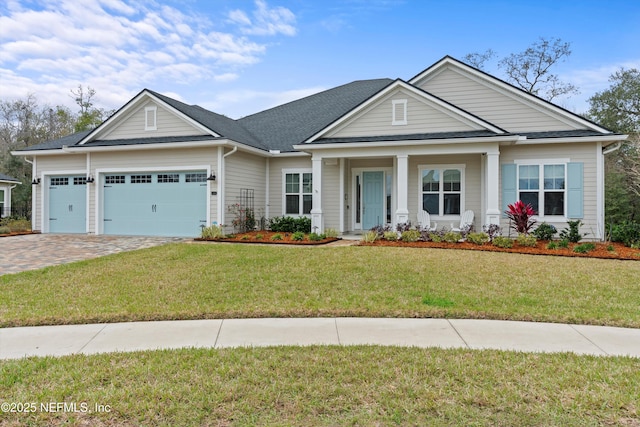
<point>19,233</point>
<point>602,250</point>
<point>266,237</point>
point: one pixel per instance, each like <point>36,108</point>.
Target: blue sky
<point>237,57</point>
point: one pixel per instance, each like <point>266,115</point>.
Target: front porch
<point>355,190</point>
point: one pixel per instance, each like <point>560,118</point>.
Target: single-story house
<point>7,184</point>
<point>371,152</point>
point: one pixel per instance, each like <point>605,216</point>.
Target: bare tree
<point>530,70</point>
<point>478,60</point>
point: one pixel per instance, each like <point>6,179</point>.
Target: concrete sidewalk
<point>444,333</point>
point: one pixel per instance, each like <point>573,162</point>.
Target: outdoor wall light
<point>36,181</point>
<point>90,179</point>
<point>212,177</point>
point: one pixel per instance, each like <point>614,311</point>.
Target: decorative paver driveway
<point>32,251</point>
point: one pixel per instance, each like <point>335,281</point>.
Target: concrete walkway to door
<point>33,251</point>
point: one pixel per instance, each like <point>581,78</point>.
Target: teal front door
<point>372,199</point>
<point>67,204</point>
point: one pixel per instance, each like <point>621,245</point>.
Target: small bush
<point>564,243</point>
<point>331,232</point>
<point>584,248</point>
<point>19,225</point>
<point>452,237</point>
<point>410,236</point>
<point>315,237</point>
<point>526,240</point>
<point>276,236</point>
<point>245,237</point>
<point>297,236</point>
<point>391,236</point>
<point>492,230</point>
<point>627,233</point>
<point>405,226</point>
<point>212,232</point>
<point>259,236</point>
<point>503,242</point>
<point>289,224</point>
<point>572,233</point>
<point>545,231</point>
<point>610,248</point>
<point>521,217</point>
<point>552,245</point>
<point>435,237</point>
<point>478,238</point>
<point>5,230</point>
<point>370,236</point>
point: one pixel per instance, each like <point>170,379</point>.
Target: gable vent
<point>150,118</point>
<point>399,112</point>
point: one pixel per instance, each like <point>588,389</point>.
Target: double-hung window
<point>297,192</point>
<point>442,189</point>
<point>543,186</point>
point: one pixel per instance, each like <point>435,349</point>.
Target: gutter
<point>613,148</point>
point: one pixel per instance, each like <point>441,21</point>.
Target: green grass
<point>188,281</point>
<point>327,386</point>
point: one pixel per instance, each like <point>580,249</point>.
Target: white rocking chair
<point>466,221</point>
<point>424,220</point>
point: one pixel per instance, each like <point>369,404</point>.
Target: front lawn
<point>325,386</point>
<point>188,281</point>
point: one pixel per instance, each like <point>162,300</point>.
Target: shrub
<point>370,236</point>
<point>391,236</point>
<point>297,236</point>
<point>276,236</point>
<point>526,240</point>
<point>259,236</point>
<point>545,231</point>
<point>5,230</point>
<point>18,225</point>
<point>243,217</point>
<point>572,233</point>
<point>289,224</point>
<point>405,226</point>
<point>552,245</point>
<point>610,248</point>
<point>521,217</point>
<point>410,236</point>
<point>245,237</point>
<point>452,237</point>
<point>503,242</point>
<point>564,243</point>
<point>331,232</point>
<point>315,237</point>
<point>584,248</point>
<point>212,232</point>
<point>435,237</point>
<point>627,233</point>
<point>492,230</point>
<point>478,238</point>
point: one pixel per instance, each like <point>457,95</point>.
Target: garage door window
<point>171,177</point>
<point>114,179</point>
<point>141,179</point>
<point>59,181</point>
<point>80,180</point>
<point>195,177</point>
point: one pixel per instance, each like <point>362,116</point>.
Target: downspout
<point>221,182</point>
<point>613,148</point>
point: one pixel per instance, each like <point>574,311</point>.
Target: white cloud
<point>266,21</point>
<point>118,47</point>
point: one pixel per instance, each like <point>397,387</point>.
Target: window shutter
<point>575,191</point>
<point>509,186</point>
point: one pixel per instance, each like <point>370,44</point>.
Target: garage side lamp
<point>36,181</point>
<point>90,179</point>
<point>212,177</point>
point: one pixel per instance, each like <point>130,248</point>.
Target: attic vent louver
<point>399,112</point>
<point>150,118</point>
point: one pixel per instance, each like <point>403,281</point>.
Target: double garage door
<point>142,204</point>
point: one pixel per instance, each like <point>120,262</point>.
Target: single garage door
<point>67,204</point>
<point>155,204</point>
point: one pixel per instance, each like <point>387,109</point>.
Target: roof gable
<point>496,100</point>
<point>425,113</point>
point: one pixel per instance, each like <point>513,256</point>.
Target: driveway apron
<point>33,251</point>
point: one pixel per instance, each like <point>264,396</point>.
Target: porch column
<point>493,188</point>
<point>317,220</point>
<point>402,178</point>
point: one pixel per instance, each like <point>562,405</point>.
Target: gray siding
<point>168,124</point>
<point>422,117</point>
<point>503,109</point>
<point>244,171</point>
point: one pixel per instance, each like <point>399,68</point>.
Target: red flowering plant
<point>521,217</point>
